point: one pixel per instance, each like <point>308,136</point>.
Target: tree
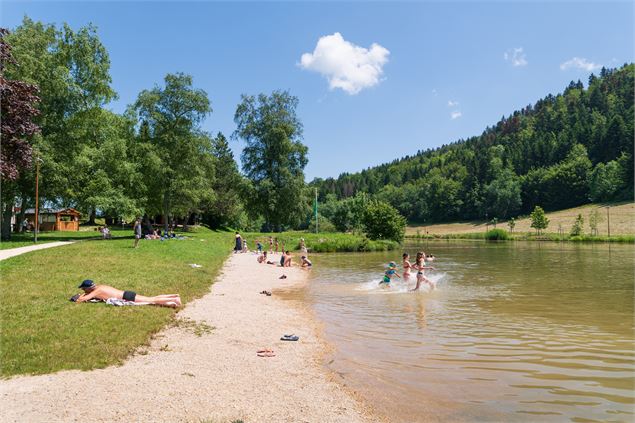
<point>170,118</point>
<point>595,218</point>
<point>502,195</point>
<point>72,70</point>
<point>383,221</point>
<point>606,181</point>
<point>538,219</point>
<point>228,186</point>
<point>578,226</point>
<point>274,157</point>
<point>17,111</point>
<point>512,224</point>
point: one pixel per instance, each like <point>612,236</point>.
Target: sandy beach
<point>215,377</point>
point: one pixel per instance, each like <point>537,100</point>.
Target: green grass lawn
<point>43,332</point>
<point>26,239</point>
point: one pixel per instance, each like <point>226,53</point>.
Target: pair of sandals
<point>265,352</point>
<point>267,293</point>
<point>289,338</point>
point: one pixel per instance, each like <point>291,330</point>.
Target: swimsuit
<point>129,295</point>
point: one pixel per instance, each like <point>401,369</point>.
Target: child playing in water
<point>406,265</point>
<point>392,271</point>
<point>420,266</point>
<point>262,257</point>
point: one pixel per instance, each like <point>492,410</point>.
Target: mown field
<point>41,331</point>
<point>622,218</point>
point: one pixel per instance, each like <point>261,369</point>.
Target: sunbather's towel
<point>118,302</point>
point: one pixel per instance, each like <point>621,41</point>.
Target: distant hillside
<point>622,221</point>
<point>563,151</point>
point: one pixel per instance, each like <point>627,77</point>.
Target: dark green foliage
<point>496,235</point>
<point>544,154</point>
<point>274,157</point>
<point>382,221</point>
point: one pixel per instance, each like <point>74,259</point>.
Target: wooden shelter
<point>55,219</point>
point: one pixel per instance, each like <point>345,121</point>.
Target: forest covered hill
<point>563,151</point>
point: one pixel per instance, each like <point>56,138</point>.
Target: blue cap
<point>86,284</point>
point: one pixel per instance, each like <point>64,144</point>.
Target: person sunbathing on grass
<point>103,292</point>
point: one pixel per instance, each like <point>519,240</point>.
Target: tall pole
<point>608,220</point>
<point>37,203</point>
<point>316,212</point>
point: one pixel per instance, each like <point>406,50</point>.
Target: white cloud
<point>516,56</point>
<point>452,103</point>
<point>455,114</point>
<point>580,63</point>
<point>346,65</point>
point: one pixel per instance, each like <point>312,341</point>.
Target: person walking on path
<point>137,232</point>
<point>239,243</point>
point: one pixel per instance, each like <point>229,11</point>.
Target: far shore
<point>205,367</point>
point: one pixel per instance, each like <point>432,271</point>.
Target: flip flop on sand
<point>265,353</point>
<point>267,293</point>
<point>289,338</point>
<point>283,277</point>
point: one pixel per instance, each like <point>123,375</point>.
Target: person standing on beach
<point>276,244</point>
<point>239,244</point>
<point>303,248</point>
<point>137,232</point>
<point>270,245</point>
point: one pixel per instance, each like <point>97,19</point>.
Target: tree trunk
<point>6,221</point>
<point>20,217</point>
<point>166,211</point>
<point>93,216</point>
<point>186,221</point>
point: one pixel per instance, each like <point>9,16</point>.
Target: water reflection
<point>515,331</point>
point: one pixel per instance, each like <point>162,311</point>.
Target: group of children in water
<point>422,263</point>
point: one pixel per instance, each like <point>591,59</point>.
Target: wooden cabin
<point>55,219</point>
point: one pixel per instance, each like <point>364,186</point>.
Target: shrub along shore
<point>320,242</point>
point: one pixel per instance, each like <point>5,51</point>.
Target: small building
<point>55,219</point>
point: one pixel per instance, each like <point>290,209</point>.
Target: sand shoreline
<point>215,377</point>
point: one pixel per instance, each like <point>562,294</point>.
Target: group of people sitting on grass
<point>105,232</point>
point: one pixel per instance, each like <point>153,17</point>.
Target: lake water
<point>514,332</point>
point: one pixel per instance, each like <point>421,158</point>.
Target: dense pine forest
<point>563,151</point>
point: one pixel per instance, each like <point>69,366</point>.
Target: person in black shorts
<point>103,292</point>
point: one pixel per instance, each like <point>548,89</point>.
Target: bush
<point>383,221</point>
<point>324,225</point>
<point>578,226</point>
<point>496,235</point>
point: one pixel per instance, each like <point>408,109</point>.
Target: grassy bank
<point>322,242</point>
<point>26,239</point>
<point>622,221</point>
<point>527,237</point>
<point>43,332</point>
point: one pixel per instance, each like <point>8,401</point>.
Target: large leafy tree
<point>175,153</point>
<point>274,157</point>
<point>71,67</point>
<point>18,112</point>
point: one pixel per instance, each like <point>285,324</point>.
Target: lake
<point>514,331</point>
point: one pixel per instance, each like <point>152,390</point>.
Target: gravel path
<point>215,377</point>
<point>5,254</point>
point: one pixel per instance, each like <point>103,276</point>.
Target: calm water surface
<point>513,332</point>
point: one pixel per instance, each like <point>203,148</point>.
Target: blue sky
<point>439,72</point>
